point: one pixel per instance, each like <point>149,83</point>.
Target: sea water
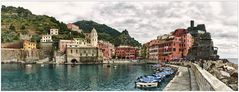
<point>81,77</point>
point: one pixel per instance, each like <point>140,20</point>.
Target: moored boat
<point>147,82</point>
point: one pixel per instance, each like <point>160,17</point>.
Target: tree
<point>12,28</point>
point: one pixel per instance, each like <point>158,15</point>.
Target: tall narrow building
<point>94,38</point>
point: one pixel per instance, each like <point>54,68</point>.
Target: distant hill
<point>17,20</point>
<point>107,33</point>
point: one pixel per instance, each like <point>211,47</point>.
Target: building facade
<point>107,49</point>
<point>73,27</point>
<point>126,52</point>
<point>53,31</point>
<point>27,45</point>
<point>84,50</point>
<point>63,44</point>
<point>203,45</point>
<point>82,54</point>
<point>170,46</point>
<point>46,38</point>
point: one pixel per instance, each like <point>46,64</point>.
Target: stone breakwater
<point>225,71</point>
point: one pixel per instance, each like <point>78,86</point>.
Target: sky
<point>147,20</point>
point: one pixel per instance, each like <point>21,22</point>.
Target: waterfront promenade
<point>181,81</point>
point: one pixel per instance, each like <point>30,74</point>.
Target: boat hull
<point>147,85</point>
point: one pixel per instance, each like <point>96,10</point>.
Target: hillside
<point>16,21</point>
<point>107,33</point>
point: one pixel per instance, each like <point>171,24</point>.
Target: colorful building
<point>29,45</point>
<point>107,49</point>
<point>63,44</point>
<point>170,46</point>
<point>126,52</point>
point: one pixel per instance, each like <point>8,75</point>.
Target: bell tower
<point>94,37</point>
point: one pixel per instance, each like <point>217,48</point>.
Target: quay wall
<point>206,81</point>
<point>20,55</point>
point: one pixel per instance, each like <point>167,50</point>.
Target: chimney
<point>192,23</point>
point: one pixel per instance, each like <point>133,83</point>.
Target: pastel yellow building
<point>29,45</point>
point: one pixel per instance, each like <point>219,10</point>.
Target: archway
<point>74,61</point>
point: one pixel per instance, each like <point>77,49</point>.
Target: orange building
<point>170,46</point>
<point>126,52</point>
<point>29,45</point>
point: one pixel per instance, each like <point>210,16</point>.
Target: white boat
<point>147,81</point>
<point>28,65</point>
<point>42,65</point>
<point>147,85</point>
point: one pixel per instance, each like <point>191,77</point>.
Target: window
<point>76,51</point>
<point>71,51</point>
<point>174,49</point>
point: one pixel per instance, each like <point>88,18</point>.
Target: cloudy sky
<point>146,20</point>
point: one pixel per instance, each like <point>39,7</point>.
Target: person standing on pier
<point>201,63</point>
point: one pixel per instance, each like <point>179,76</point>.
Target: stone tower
<point>93,37</point>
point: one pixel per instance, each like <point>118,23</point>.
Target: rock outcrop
<point>225,71</point>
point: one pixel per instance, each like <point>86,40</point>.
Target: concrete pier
<point>194,79</point>
<point>181,81</point>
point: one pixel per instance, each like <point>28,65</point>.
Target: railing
<point>206,81</point>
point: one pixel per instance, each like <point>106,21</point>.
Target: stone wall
<point>17,55</point>
<point>46,50</point>
<point>206,81</point>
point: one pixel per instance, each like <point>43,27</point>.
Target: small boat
<point>115,66</point>
<point>28,65</point>
<point>147,82</point>
<point>42,65</point>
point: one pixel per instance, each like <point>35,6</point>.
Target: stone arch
<point>74,61</point>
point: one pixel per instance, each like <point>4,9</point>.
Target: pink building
<point>107,49</point>
<point>63,44</point>
<point>170,46</point>
<point>126,52</point>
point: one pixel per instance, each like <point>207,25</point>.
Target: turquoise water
<point>81,77</point>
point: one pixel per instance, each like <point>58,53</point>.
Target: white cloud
<point>147,20</point>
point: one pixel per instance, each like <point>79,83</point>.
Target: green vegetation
<point>16,21</point>
<point>144,51</point>
<point>108,33</point>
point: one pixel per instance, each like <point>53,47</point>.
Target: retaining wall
<point>206,81</point>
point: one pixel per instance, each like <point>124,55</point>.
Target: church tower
<point>94,38</point>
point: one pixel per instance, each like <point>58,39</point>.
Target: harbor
<point>88,77</point>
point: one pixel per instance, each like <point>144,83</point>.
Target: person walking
<point>201,63</point>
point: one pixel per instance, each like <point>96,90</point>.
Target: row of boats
<point>155,79</point>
